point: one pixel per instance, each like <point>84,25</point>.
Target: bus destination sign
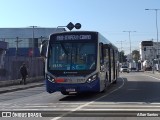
<point>73,37</point>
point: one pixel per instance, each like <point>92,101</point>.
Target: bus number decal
<point>57,65</point>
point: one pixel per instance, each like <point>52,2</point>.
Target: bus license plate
<point>70,90</point>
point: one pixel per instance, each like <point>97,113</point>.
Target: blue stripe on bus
<point>79,87</point>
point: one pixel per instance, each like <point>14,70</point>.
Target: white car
<point>124,69</point>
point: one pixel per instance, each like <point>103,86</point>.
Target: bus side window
<point>43,48</point>
<point>101,52</point>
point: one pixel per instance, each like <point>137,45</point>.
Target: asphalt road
<point>135,94</point>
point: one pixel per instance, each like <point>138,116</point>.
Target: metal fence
<point>12,65</point>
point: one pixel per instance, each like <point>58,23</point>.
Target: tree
<point>122,57</point>
<point>135,55</point>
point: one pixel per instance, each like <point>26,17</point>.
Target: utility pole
<point>156,10</point>
<point>130,43</point>
<point>33,40</point>
<point>17,42</point>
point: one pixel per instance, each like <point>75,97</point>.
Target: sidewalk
<point>14,85</point>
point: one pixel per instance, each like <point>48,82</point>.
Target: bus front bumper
<point>94,86</point>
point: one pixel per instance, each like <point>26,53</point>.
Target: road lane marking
<point>90,106</point>
<point>81,106</point>
<point>124,106</point>
<point>124,110</point>
<point>153,77</point>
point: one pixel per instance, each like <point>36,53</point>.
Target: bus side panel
<point>83,87</point>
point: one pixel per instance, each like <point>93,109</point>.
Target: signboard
<point>147,43</point>
<point>73,37</point>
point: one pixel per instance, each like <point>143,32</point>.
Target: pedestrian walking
<point>24,73</point>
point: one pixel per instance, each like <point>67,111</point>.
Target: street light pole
<point>156,10</point>
<point>33,40</point>
<point>130,42</point>
<point>17,42</point>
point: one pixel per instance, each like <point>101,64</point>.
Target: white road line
<point>153,77</point>
<point>114,103</point>
<point>31,109</point>
<point>92,108</point>
<point>125,110</point>
<point>74,104</point>
<point>100,105</point>
<point>70,103</point>
<point>80,107</point>
<point>124,106</point>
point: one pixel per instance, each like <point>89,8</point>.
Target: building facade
<point>25,41</point>
<point>149,50</point>
<point>150,54</point>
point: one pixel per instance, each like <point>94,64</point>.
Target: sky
<point>109,17</point>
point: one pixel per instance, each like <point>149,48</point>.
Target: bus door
<point>111,65</point>
<point>106,61</point>
<point>102,67</point>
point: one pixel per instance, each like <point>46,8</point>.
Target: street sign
<point>70,26</point>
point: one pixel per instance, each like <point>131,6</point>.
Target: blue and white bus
<point>80,61</point>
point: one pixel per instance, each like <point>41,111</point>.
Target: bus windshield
<point>72,56</point>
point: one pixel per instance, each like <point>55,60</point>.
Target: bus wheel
<point>65,93</point>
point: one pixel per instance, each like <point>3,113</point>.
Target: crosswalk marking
<point>92,106</point>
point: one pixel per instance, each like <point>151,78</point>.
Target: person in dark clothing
<point>24,73</point>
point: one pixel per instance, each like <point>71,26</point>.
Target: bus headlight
<point>50,78</point>
<point>92,78</point>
